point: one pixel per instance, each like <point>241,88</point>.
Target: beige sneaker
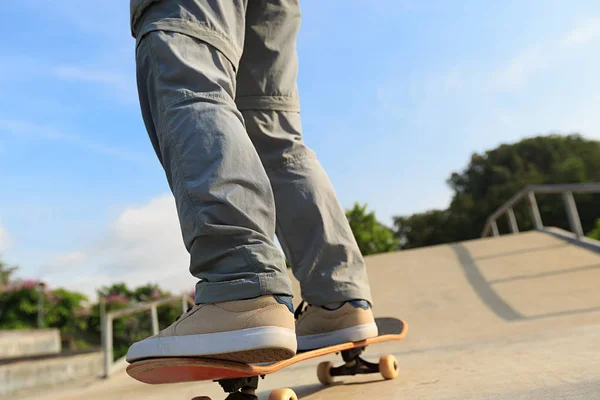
<point>250,331</point>
<point>318,327</point>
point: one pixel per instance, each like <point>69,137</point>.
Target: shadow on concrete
<point>563,313</point>
<point>545,274</point>
<point>307,390</point>
<point>494,301</point>
<point>520,252</point>
<point>482,288</point>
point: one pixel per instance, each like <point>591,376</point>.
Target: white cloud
<point>587,31</point>
<point>143,245</point>
<point>6,240</point>
<point>30,129</point>
<point>517,71</point>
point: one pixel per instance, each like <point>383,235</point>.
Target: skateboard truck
<point>240,388</point>
<point>354,364</point>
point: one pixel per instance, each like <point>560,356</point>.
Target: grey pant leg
<point>311,224</point>
<point>186,84</point>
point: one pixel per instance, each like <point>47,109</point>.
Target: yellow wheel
<point>283,394</point>
<point>324,373</point>
<point>388,367</point>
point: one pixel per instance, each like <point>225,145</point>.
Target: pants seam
<point>270,96</point>
<point>261,280</point>
<point>197,29</point>
<point>252,264</point>
<point>189,94</point>
<point>285,103</point>
<point>290,161</point>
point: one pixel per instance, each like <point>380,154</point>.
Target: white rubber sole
<point>352,334</point>
<point>255,341</point>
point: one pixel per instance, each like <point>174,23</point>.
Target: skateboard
<point>241,380</point>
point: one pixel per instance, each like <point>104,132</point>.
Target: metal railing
<point>529,192</point>
<point>107,319</point>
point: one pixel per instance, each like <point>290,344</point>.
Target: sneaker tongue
<point>333,306</point>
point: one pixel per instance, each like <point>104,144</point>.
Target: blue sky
<point>395,96</point>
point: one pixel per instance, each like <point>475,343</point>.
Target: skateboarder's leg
<point>311,224</point>
<point>187,52</point>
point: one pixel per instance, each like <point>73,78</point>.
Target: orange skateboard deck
<point>190,369</point>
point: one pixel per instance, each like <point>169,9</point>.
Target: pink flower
<point>31,283</point>
<point>155,294</point>
<point>23,284</point>
<point>116,298</point>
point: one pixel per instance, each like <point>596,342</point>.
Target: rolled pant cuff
<point>244,288</point>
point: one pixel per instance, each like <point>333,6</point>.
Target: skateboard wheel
<point>283,394</point>
<point>324,373</point>
<point>388,367</point>
<point>201,398</point>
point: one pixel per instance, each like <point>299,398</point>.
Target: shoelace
<point>300,310</point>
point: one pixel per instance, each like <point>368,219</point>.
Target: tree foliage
<point>595,233</point>
<point>6,273</point>
<point>19,305</point>
<point>372,237</point>
<point>490,179</point>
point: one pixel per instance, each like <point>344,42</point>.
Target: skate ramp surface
<point>511,317</point>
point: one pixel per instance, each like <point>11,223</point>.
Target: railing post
<point>184,304</point>
<point>535,211</point>
<point>107,337</point>
<point>40,306</point>
<point>495,231</point>
<point>572,213</point>
<point>102,315</point>
<point>154,313</point>
<point>512,221</point>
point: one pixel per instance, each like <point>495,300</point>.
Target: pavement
<point>512,317</point>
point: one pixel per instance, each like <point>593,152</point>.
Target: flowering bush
<point>79,321</point>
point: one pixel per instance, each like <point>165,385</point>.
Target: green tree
<point>6,273</point>
<point>595,233</point>
<point>372,237</point>
<point>68,312</point>
<point>62,309</point>
<point>422,229</point>
<point>491,178</point>
<point>19,305</point>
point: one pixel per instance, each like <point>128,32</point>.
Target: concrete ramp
<point>512,317</point>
